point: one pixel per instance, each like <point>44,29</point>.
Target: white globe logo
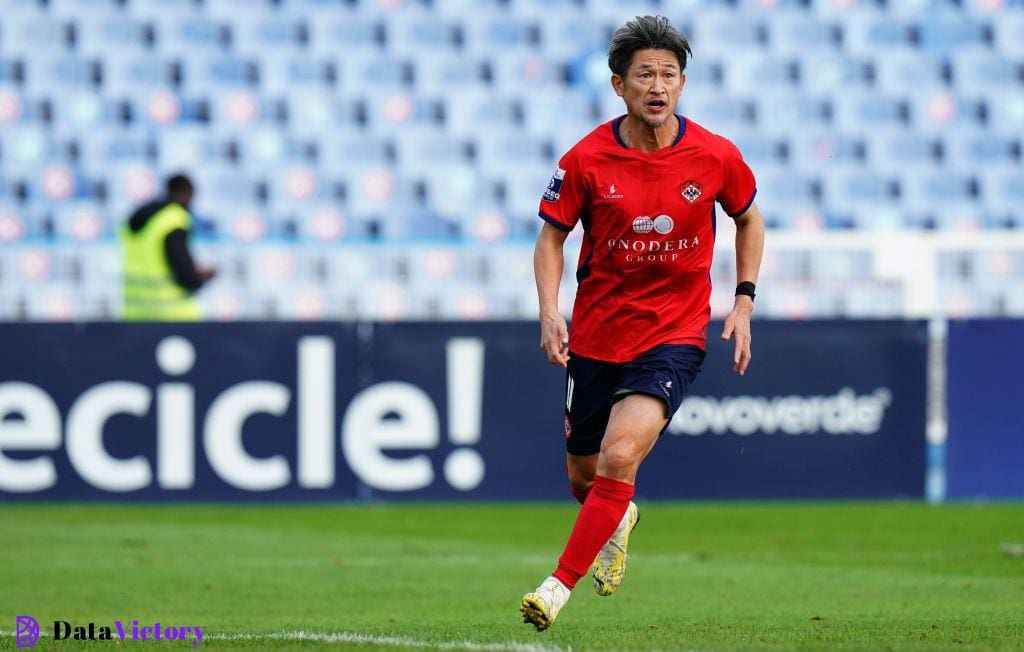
<point>643,224</point>
<point>663,224</point>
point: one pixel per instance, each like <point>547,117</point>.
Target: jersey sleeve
<point>562,202</point>
<point>738,184</point>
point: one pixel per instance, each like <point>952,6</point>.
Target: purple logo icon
<point>26,631</point>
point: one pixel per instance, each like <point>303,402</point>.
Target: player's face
<point>652,86</point>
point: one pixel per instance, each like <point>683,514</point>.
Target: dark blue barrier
<point>277,411</point>
<point>985,446</point>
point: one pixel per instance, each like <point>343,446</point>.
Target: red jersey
<point>644,271</point>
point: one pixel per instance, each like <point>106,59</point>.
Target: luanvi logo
<point>27,632</point>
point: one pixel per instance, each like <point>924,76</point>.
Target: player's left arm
<point>749,248</point>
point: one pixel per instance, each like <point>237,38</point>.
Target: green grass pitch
<point>444,576</point>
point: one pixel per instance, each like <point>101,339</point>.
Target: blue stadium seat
<point>75,8</point>
<point>725,33</point>
<point>1006,112</point>
<point>981,150</point>
<point>80,111</point>
<point>898,72</point>
<point>526,71</point>
<point>127,76</point>
<point>847,188</point>
<point>27,149</point>
<point>869,34</point>
<point>794,112</point>
<point>311,113</point>
<point>253,36</point>
<point>187,35</point>
<point>23,33</point>
<point>103,147</point>
<point>46,72</point>
<point>233,9</point>
<point>524,189</point>
<point>898,150</point>
<point>1004,190</point>
<point>986,71</point>
<point>473,111</point>
<point>387,112</point>
<point>294,183</point>
<point>412,35</point>
<point>206,75</point>
<point>81,221</point>
<point>341,153</point>
<point>187,146</point>
<point>749,71</point>
<point>761,149</point>
<point>240,110</point>
<point>367,73</point>
<point>941,111</point>
<point>98,34</point>
<point>942,34</point>
<point>1009,34</point>
<point>163,9</point>
<point>719,112</point>
<point>505,152</point>
<point>835,74</point>
<point>826,150</point>
<point>280,75</point>
<point>265,146</point>
<point>347,34</point>
<point>865,111</point>
<point>444,73</point>
<point>565,32</point>
<point>486,34</point>
<point>938,190</point>
<point>421,151</point>
<point>799,34</point>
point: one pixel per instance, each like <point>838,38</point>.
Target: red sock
<point>580,494</point>
<point>598,518</point>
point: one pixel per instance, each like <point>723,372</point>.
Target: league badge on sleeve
<point>554,190</point>
<point>691,191</point>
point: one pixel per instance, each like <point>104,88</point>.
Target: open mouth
<point>656,105</point>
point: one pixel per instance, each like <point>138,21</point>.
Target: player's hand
<point>554,339</point>
<point>737,325</point>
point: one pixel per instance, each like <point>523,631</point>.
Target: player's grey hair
<point>646,33</point>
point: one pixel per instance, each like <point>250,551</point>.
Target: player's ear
<point>682,82</point>
<point>619,85</point>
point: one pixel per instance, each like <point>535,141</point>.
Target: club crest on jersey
<point>691,191</point>
<point>554,190</point>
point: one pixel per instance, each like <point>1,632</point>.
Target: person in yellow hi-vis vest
<point>160,276</point>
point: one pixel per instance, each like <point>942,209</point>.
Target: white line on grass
<point>352,637</point>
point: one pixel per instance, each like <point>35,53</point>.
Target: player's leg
<point>581,470</point>
<point>662,375</point>
<point>633,428</point>
<point>590,387</point>
<point>636,421</point>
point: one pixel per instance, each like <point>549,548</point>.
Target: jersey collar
<point>618,138</point>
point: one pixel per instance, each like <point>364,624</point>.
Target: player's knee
<point>619,457</point>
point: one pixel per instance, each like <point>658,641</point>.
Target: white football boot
<point>542,606</point>
<point>610,565</point>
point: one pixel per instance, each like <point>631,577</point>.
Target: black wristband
<point>746,288</point>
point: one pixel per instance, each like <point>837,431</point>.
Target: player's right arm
<point>548,263</point>
<point>560,208</point>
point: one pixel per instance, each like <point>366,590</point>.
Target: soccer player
<point>644,186</point>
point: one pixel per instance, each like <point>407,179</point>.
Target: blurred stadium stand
<point>384,158</point>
